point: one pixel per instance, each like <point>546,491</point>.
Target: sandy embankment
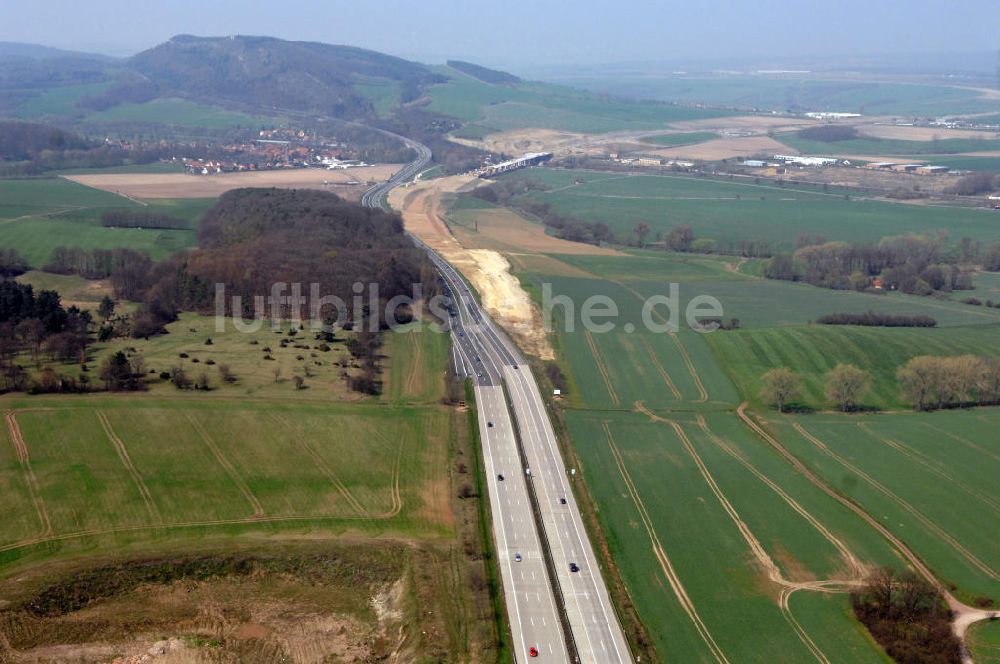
<point>487,270</point>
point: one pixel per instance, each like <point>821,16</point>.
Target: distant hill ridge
<point>269,72</point>
<point>484,74</point>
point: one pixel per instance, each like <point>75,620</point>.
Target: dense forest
<point>253,238</point>
<point>21,141</point>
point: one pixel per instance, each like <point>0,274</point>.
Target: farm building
<point>755,163</point>
<point>933,170</point>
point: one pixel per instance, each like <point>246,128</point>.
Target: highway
<point>540,597</point>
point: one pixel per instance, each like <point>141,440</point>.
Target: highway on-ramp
<point>557,601</point>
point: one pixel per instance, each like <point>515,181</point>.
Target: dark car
<point>562,501</point>
<point>489,424</point>
<point>500,477</point>
<point>573,567</point>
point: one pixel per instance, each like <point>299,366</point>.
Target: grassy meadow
<point>97,471</point>
<point>38,215</point>
<point>178,112</point>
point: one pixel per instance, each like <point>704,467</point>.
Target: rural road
<point>534,516</point>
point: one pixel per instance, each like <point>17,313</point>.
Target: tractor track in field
<point>24,458</point>
<point>661,555</point>
<point>964,615</point>
<point>917,514</point>
<point>395,492</point>
<point>660,369</point>
<point>126,460</point>
<point>415,379</point>
<point>857,568</point>
<point>757,549</point>
<point>930,464</point>
<point>602,368</point>
<point>964,441</point>
<point>258,509</point>
<point>702,392</point>
<point>322,465</point>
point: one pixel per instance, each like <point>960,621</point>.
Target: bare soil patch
<point>488,271</point>
<point>919,133</point>
<point>519,141</point>
<point>350,183</point>
<point>505,230</point>
<point>726,148</point>
<point>756,123</point>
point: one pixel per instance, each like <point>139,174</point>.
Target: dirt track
<point>181,185</point>
<point>487,269</point>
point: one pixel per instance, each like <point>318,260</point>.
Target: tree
<point>106,309</point>
<point>299,382</point>
<point>226,374</point>
<point>781,385</point>
<point>846,385</point>
<point>920,380</point>
<point>641,230</point>
<point>680,238</point>
<point>118,374</point>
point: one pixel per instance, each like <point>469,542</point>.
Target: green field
<point>178,112</point>
<point>882,147</point>
<point>256,455</point>
<point>38,215</point>
<point>702,493</point>
<point>728,211</point>
<point>930,478</point>
<point>983,640</point>
<point>383,93</point>
<point>541,105</point>
<point>59,101</point>
<point>683,138</point>
<point>794,93</point>
<point>721,543</point>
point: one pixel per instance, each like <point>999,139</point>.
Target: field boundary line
<point>23,457</point>
<point>660,369</point>
<point>917,514</point>
<point>603,370</point>
<point>929,463</point>
<point>123,455</point>
<point>661,555</point>
<point>323,466</point>
<point>249,521</point>
<point>258,510</point>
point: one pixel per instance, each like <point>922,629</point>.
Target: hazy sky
<point>511,32</point>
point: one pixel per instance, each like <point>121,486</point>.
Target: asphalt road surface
<point>534,475</point>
